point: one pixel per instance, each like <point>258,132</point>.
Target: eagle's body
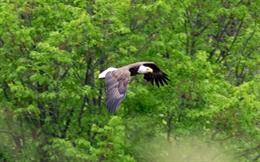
<point>117,80</point>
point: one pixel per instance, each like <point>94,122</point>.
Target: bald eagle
<point>116,80</point>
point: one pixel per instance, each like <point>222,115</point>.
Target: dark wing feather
<point>158,76</point>
<point>116,87</point>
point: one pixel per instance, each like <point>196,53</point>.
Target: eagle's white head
<point>144,69</point>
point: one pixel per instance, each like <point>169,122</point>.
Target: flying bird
<point>116,80</point>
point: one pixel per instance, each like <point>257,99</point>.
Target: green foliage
<point>52,104</point>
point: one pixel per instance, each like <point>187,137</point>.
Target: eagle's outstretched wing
<point>157,76</point>
<point>116,87</point>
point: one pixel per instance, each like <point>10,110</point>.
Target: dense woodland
<point>52,105</point>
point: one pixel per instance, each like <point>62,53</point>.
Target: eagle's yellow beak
<point>149,70</point>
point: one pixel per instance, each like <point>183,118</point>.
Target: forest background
<point>52,103</point>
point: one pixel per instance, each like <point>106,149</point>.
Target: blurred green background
<point>52,103</point>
